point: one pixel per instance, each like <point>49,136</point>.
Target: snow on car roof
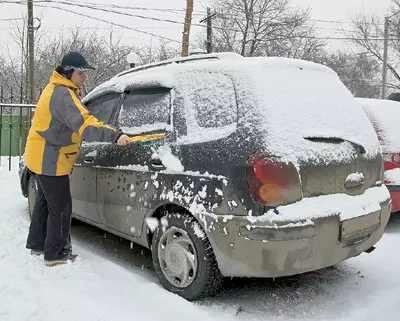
<point>289,100</point>
<point>385,115</point>
<point>158,74</point>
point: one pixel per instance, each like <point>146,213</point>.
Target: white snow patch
<point>202,135</point>
<point>227,218</point>
<point>132,195</point>
<point>169,160</point>
<point>384,115</point>
<point>152,223</point>
<point>137,168</point>
<point>198,230</point>
<point>219,192</point>
<point>128,208</point>
<point>132,187</point>
<point>203,192</point>
<point>392,176</point>
<point>328,205</point>
<point>133,230</point>
<point>93,153</point>
<point>156,184</point>
<point>146,185</point>
<point>355,177</point>
<point>146,128</point>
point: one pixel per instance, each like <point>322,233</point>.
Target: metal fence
<point>15,121</point>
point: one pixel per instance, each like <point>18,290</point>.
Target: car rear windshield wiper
<point>359,147</point>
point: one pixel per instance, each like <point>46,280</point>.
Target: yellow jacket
<point>58,126</point>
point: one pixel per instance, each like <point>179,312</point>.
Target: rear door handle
<point>156,165</point>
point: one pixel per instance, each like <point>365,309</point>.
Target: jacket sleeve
<point>68,109</point>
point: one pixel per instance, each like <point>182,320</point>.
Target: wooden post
<point>186,28</point>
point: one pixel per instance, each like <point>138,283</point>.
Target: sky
<point>56,21</point>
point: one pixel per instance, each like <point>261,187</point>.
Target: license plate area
<point>360,228</point>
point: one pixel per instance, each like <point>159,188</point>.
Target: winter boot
<point>64,260</point>
<point>36,252</point>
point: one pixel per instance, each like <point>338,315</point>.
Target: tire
<point>32,191</point>
<point>189,242</point>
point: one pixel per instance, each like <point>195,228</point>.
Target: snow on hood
<point>385,116</point>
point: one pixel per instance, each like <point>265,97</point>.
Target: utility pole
<point>385,58</point>
<point>209,29</point>
<point>31,53</point>
<point>186,28</point>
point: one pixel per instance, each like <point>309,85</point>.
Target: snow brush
<point>147,139</point>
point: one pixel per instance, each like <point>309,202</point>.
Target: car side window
<point>145,110</point>
<point>210,108</point>
<point>103,106</point>
<point>213,98</point>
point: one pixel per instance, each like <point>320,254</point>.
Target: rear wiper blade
<point>359,147</point>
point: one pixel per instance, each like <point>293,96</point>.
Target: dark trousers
<point>51,218</point>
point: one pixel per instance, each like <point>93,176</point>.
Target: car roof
<point>162,74</point>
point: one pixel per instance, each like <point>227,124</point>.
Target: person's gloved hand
<point>124,140</point>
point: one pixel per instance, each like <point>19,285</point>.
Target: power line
<point>125,7</point>
<point>111,23</point>
<point>11,19</point>
<point>177,22</point>
<point>75,4</point>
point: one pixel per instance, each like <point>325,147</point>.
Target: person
<point>59,125</point>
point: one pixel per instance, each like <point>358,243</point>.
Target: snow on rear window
<point>385,116</point>
<point>145,109</point>
<point>290,100</point>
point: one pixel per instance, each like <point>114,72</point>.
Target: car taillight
<point>272,182</point>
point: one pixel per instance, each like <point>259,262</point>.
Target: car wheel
<point>32,192</point>
<point>184,259</point>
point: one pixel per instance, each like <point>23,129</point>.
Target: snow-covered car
<point>240,167</point>
<point>384,115</point>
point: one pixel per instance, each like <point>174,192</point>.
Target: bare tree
<point>263,28</point>
<point>369,35</point>
<point>161,52</point>
<point>105,52</point>
<point>360,73</point>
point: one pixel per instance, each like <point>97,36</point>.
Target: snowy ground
<point>112,281</point>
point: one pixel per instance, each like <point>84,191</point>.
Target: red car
<point>384,116</point>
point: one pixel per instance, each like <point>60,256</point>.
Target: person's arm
<point>67,108</point>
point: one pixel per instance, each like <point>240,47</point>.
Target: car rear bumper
<point>255,247</point>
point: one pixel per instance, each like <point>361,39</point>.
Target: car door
<point>83,178</point>
<point>129,182</point>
